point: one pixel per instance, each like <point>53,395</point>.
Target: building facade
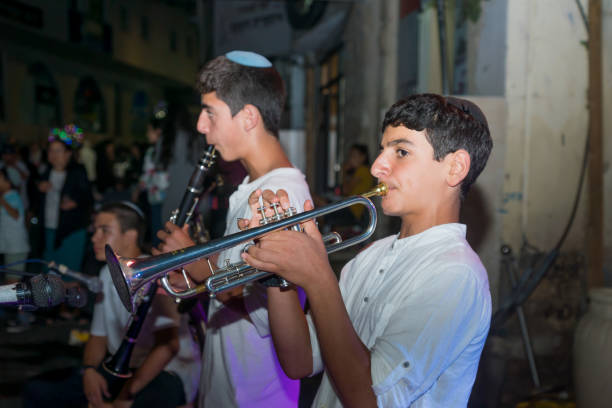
<point>100,64</point>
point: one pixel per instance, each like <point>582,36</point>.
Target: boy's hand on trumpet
<point>174,238</point>
<point>300,258</point>
<point>265,198</point>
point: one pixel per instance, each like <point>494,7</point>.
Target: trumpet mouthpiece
<point>380,190</point>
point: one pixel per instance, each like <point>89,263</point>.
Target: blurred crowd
<point>50,189</point>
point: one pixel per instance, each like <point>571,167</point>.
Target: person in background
<point>37,157</point>
<point>87,157</point>
<point>105,161</point>
<point>17,171</point>
<point>154,178</point>
<point>13,234</point>
<point>65,200</point>
<point>182,146</point>
<point>14,244</point>
<point>165,360</point>
<point>356,179</point>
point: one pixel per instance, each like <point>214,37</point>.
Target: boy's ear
<point>250,117</point>
<point>459,167</point>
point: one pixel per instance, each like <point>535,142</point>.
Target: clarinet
<point>116,368</point>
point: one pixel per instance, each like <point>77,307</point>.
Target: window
<point>89,109</point>
<point>40,103</point>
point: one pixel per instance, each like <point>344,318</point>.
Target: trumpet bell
<point>121,275</point>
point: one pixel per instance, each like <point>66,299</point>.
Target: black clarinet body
<point>116,368</point>
<point>191,197</point>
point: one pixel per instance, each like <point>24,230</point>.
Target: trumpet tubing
<point>130,274</point>
<point>240,273</point>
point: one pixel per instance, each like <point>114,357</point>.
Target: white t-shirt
<point>13,233</point>
<point>110,320</point>
<point>240,367</point>
<point>53,197</point>
<point>422,306</point>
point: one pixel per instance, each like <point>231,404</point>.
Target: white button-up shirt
<point>422,306</point>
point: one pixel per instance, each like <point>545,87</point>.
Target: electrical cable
<point>531,278</point>
<point>16,272</point>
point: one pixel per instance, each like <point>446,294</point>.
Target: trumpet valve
<point>264,219</point>
<point>290,211</point>
<point>277,216</point>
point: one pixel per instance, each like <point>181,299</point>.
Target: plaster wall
<point>546,88</point>
<point>480,210</point>
<point>486,50</point>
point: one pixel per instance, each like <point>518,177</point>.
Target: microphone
<point>93,283</point>
<point>39,291</point>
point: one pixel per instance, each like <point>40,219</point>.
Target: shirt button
<point>365,299</point>
<point>406,364</point>
<point>381,271</point>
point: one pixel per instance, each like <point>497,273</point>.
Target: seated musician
<point>166,360</point>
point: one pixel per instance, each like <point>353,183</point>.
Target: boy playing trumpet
<point>406,323</point>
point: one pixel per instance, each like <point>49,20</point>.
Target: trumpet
<point>130,274</point>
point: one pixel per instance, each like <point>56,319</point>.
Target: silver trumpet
<point>130,274</point>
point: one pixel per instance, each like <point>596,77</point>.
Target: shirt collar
<point>435,233</point>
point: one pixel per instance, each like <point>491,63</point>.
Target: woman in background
<point>172,155</point>
<point>66,200</point>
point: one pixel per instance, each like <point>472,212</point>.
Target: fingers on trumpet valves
<point>274,212</point>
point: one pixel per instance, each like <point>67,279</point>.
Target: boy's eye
<point>402,152</point>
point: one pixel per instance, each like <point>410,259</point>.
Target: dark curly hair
<point>238,85</point>
<point>450,124</point>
